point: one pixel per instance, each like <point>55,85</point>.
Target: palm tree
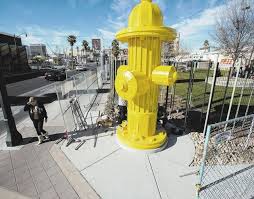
<point>85,48</point>
<point>115,52</point>
<point>72,40</point>
<point>115,48</point>
<point>206,45</point>
<point>77,53</point>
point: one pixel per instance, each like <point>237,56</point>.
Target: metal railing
<point>227,165</point>
<point>83,86</point>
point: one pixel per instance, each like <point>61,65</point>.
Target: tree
<point>234,29</point>
<point>115,52</point>
<point>115,48</point>
<point>206,43</point>
<point>77,53</point>
<point>72,40</point>
<point>85,47</point>
<point>206,46</point>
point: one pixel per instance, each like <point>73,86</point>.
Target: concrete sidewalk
<point>32,171</point>
<point>29,170</point>
<point>113,172</point>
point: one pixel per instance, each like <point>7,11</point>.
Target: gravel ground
<point>225,153</point>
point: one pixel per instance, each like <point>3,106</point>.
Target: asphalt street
<point>22,87</point>
<point>19,88</point>
<point>31,87</point>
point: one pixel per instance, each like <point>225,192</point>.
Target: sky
<point>50,22</point>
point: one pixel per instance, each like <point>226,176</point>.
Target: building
<point>37,50</point>
<point>13,55</point>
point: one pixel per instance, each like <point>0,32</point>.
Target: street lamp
<point>14,37</point>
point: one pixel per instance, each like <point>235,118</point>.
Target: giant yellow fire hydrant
<point>139,82</point>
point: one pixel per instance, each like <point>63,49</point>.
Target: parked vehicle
<point>81,68</point>
<point>55,75</point>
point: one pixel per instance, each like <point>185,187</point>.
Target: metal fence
<point>207,95</point>
<point>83,88</point>
<point>227,165</point>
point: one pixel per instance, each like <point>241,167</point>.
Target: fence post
<point>206,82</point>
<point>61,108</point>
<point>166,103</point>
<point>188,98</point>
<point>225,94</point>
<point>193,64</point>
<point>247,108</point>
<point>202,168</point>
<point>239,102</point>
<point>210,97</point>
<point>248,138</point>
<point>233,94</point>
<point>74,82</point>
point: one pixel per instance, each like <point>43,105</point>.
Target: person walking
<point>38,115</point>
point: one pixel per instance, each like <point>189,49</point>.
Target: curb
<point>5,193</point>
<point>77,181</point>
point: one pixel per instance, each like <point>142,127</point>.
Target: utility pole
<point>16,47</point>
<point>13,137</point>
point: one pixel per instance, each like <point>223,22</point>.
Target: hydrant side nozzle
<point>164,75</point>
<point>122,68</point>
<point>130,84</point>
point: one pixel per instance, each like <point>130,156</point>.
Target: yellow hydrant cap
<point>146,19</point>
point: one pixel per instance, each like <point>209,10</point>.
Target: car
<point>55,75</point>
<point>81,68</point>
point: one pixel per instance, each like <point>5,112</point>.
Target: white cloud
<point>53,38</point>
<point>107,34</point>
<point>118,18</point>
<point>123,6</point>
<point>192,26</point>
<point>117,24</point>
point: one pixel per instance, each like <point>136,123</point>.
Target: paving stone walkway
<point>33,172</point>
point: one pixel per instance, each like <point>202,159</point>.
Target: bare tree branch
<point>234,29</point>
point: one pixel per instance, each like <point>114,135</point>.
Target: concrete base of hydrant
<point>137,142</point>
<point>145,151</point>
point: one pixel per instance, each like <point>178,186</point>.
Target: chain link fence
<point>227,165</point>
<point>84,88</point>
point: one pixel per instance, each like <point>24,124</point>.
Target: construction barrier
<point>227,165</point>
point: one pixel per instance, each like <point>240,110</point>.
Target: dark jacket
<point>41,111</point>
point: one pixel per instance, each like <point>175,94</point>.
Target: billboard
<point>226,63</point>
<point>96,44</point>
